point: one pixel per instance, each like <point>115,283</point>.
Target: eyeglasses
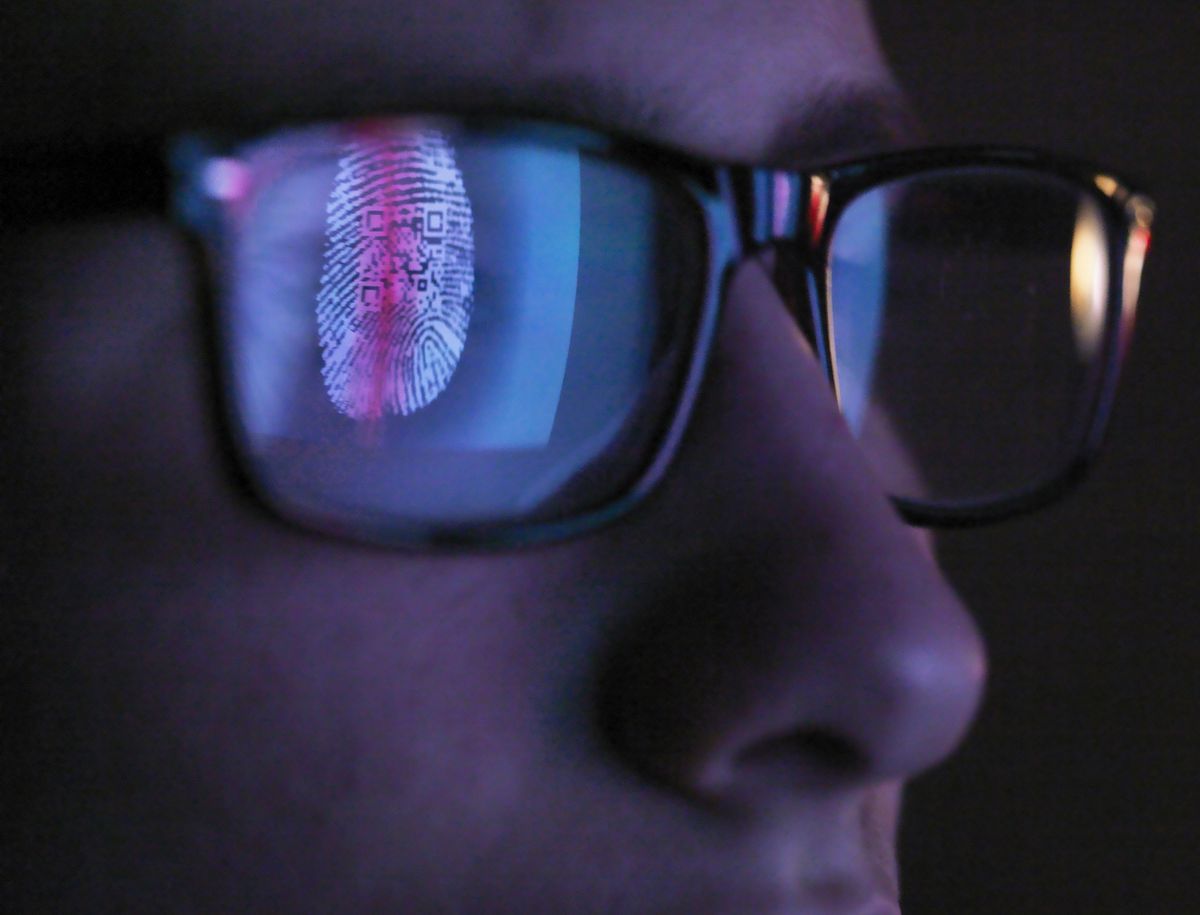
<point>476,331</point>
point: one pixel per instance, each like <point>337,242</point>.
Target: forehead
<point>713,77</point>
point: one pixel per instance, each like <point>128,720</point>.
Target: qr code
<point>398,278</point>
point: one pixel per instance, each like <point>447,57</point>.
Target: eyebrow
<point>843,121</point>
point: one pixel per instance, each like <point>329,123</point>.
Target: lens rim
<point>1125,212</point>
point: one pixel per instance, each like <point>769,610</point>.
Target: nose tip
<point>889,696</point>
<point>937,680</point>
<point>739,693</point>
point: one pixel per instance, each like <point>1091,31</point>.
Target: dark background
<point>1080,789</point>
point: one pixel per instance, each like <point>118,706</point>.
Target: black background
<point>1079,790</point>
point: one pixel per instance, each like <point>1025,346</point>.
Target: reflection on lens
<point>398,276</point>
<point>1135,259</point>
<point>506,316</point>
<point>1089,278</point>
<point>859,257</point>
<point>967,312</point>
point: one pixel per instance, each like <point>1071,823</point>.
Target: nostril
<point>814,749</point>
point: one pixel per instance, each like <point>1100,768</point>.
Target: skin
<point>707,707</point>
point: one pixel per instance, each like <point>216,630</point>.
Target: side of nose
<point>797,632</point>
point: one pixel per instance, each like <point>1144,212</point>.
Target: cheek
<point>114,422</point>
<point>100,304</point>
<point>220,671</point>
<point>360,717</point>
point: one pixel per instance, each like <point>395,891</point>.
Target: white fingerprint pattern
<point>398,273</point>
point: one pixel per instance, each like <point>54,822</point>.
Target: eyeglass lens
<point>968,312</point>
<point>430,322</point>
<point>437,324</point>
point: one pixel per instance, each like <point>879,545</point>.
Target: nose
<point>788,630</point>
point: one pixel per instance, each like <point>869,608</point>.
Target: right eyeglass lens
<point>968,311</point>
<point>431,325</point>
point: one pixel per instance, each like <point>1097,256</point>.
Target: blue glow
<point>858,254</point>
<point>276,266</point>
<point>530,196</point>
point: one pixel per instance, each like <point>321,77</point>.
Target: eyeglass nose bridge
<point>780,217</point>
<point>769,205</point>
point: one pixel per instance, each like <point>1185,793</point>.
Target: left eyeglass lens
<point>429,324</point>
<point>970,325</point>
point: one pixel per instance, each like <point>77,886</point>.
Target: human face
<point>707,707</point>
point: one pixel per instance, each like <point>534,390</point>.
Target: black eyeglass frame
<point>829,191</point>
<point>741,216</point>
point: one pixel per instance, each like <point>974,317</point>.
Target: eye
<point>428,323</point>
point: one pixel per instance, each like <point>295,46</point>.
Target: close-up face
<point>709,705</point>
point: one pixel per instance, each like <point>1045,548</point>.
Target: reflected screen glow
<point>398,277</point>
